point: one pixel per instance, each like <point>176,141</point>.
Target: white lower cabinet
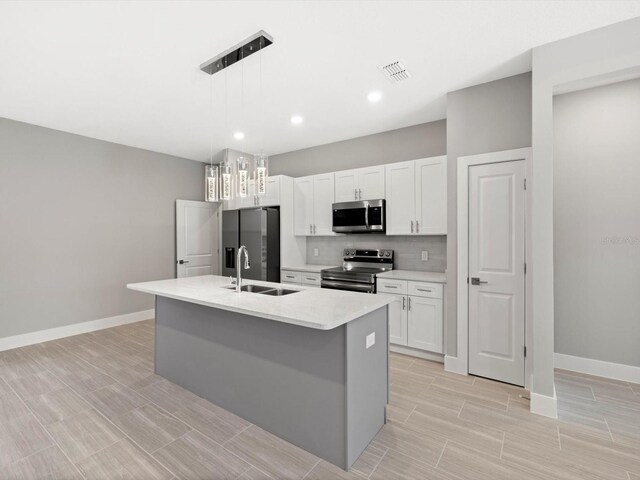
<point>293,277</point>
<point>416,316</point>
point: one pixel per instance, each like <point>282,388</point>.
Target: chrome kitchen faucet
<point>238,269</point>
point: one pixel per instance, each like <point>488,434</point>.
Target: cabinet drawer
<point>287,276</point>
<point>310,278</point>
<point>398,287</point>
<point>422,289</point>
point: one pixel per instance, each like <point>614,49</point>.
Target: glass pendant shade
<point>243,176</point>
<point>260,173</point>
<point>212,183</point>
<point>225,180</point>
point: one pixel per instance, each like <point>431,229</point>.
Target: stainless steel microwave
<point>363,216</point>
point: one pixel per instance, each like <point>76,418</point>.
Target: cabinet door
<point>424,329</point>
<point>371,183</point>
<point>303,205</point>
<point>323,204</point>
<point>346,186</point>
<point>272,198</point>
<point>400,188</point>
<point>397,319</point>
<point>431,196</point>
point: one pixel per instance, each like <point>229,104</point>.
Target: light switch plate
<point>371,339</point>
<point>315,252</point>
<point>425,255</point>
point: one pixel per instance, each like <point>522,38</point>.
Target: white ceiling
<point>127,72</point>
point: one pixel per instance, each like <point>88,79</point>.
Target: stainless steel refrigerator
<point>259,230</point>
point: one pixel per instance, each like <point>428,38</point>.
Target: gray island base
<point>322,390</point>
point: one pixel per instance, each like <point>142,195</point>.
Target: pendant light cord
<point>212,120</point>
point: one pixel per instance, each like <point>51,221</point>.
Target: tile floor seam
<point>608,428</point>
<point>444,447</point>
<point>558,433</point>
<point>46,431</point>
<point>378,462</point>
<point>464,402</point>
<point>504,434</point>
<point>234,436</point>
<point>311,469</point>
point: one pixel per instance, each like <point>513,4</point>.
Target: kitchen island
<point>310,367</point>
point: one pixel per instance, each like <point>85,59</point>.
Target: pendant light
<point>261,161</point>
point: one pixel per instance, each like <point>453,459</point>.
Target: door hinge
<point>525,351</point>
<point>525,268</point>
<point>525,183</point>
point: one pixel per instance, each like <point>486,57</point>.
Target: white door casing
<point>496,258</point>
<point>197,238</point>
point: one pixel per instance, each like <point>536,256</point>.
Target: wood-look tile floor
<point>91,407</point>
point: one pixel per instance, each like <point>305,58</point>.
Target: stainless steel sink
<point>278,292</point>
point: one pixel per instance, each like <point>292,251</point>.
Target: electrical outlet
<point>315,252</point>
<point>371,339</point>
<point>425,255</point>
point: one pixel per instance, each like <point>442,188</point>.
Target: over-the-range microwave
<point>363,216</point>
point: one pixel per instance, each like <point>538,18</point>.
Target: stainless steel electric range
<point>358,271</point>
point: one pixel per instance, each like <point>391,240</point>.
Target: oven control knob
<point>353,252</point>
<point>387,254</point>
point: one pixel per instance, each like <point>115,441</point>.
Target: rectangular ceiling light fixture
<point>238,52</point>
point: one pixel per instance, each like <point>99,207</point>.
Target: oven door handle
<point>343,280</point>
<point>362,287</point>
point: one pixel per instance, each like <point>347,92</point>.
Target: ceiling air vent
<point>395,72</point>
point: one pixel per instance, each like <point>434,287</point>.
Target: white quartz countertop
<point>307,268</point>
<point>434,277</point>
<point>318,308</point>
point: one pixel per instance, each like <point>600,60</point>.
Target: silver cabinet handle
<point>355,193</point>
<point>311,278</point>
<point>411,226</point>
<point>417,226</point>
<point>403,302</point>
<point>425,290</point>
<point>360,194</point>
<point>310,229</point>
<point>390,286</point>
<point>409,303</point>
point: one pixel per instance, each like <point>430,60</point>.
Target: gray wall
<point>597,223</point>
<point>79,219</point>
<point>418,141</point>
<point>407,250</point>
<point>484,118</point>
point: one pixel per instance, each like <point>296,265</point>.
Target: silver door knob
<point>476,281</point>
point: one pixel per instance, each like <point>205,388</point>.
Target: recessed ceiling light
<point>296,119</point>
<point>374,96</point>
<point>238,135</point>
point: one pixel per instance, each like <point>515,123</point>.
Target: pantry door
<point>197,238</point>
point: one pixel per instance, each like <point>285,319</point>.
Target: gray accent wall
<point>407,250</point>
<point>484,118</point>
<point>79,219</point>
<point>597,223</point>
<point>409,143</point>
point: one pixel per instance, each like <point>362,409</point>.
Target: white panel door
<point>425,323</point>
<point>400,187</point>
<point>496,271</point>
<point>371,183</point>
<point>346,186</point>
<point>431,196</point>
<point>397,319</point>
<point>323,204</point>
<point>303,206</point>
<point>197,232</point>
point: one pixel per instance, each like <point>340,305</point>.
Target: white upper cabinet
<point>346,186</point>
<point>431,196</point>
<point>303,205</point>
<point>400,198</point>
<point>360,184</point>
<point>313,200</point>
<point>272,197</point>
<point>417,197</point>
<point>323,194</point>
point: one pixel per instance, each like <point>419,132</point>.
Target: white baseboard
<point>434,357</point>
<point>617,371</point>
<point>17,341</point>
<point>453,365</point>
<point>544,405</point>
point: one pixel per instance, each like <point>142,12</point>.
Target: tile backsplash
<point>407,250</point>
